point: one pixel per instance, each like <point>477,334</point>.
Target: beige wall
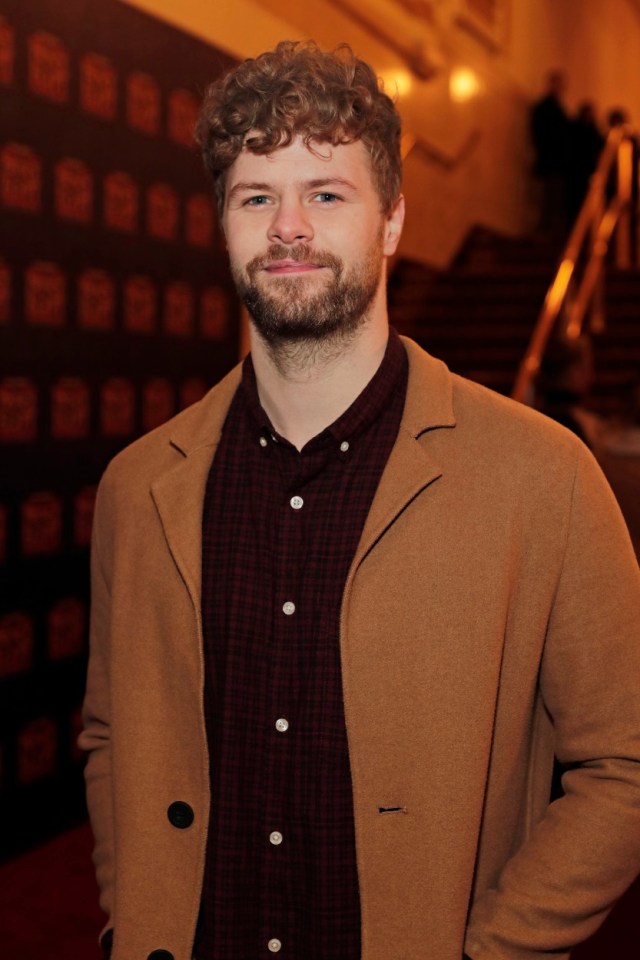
<point>597,41</point>
<point>488,184</point>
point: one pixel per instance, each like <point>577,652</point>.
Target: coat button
<point>181,816</point>
<point>160,955</point>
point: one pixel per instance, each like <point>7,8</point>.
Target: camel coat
<point>490,617</point>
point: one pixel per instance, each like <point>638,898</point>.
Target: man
<point>347,607</point>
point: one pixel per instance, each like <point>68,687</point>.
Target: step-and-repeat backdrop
<point>116,311</point>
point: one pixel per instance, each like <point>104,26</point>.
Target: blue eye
<point>327,197</point>
<point>258,201</point>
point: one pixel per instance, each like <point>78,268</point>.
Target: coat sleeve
<point>96,734</point>
<point>579,859</point>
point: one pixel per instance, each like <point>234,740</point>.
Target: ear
<point>393,227</point>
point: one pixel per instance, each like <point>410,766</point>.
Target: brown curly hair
<point>298,89</point>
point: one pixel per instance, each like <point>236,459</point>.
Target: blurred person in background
<point>564,384</point>
<point>551,136</point>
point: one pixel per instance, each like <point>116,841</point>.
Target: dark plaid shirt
<point>280,531</point>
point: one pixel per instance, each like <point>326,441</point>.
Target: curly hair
<point>299,90</point>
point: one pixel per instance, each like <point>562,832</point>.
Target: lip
<point>280,267</point>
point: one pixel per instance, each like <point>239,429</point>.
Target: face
<point>307,239</point>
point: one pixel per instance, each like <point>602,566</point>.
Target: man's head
<point>299,90</point>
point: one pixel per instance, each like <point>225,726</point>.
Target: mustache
<point>298,253</point>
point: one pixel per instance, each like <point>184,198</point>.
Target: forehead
<point>298,163</point>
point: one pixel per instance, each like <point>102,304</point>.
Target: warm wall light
<point>397,83</point>
<point>463,84</point>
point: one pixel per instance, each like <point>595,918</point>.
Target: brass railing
<point>575,297</point>
<point>412,143</point>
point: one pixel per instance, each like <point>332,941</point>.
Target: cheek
<point>238,248</point>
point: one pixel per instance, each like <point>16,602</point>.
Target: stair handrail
<point>414,142</point>
<point>592,231</point>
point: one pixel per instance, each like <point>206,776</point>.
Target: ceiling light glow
<point>463,84</point>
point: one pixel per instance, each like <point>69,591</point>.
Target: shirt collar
<point>390,377</point>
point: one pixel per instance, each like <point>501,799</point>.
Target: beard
<point>286,314</point>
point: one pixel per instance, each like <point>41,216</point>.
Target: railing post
<point>635,198</point>
<point>625,187</point>
<point>596,307</point>
<point>578,288</point>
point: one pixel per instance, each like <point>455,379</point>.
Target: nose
<point>290,223</point>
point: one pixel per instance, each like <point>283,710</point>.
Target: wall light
<point>463,84</point>
<point>397,83</point>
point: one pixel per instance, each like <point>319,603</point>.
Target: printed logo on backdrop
<point>214,313</point>
<point>117,408</point>
<point>16,644</point>
<point>37,749</point>
<point>75,728</point>
<point>41,531</point>
<point>66,629</point>
<point>73,190</point>
<point>200,220</point>
<point>140,305</point>
<point>143,103</point>
<point>83,506</point>
<point>4,529</point>
<point>158,403</point>
<point>191,391</point>
<point>21,178</point>
<point>96,300</point>
<point>7,52</point>
<point>162,212</point>
<point>5,292</point>
<point>183,115</point>
<point>45,295</point>
<point>178,309</point>
<point>121,202</point>
<point>98,86</point>
<point>18,410</point>
<point>49,71</point>
<point>70,409</point>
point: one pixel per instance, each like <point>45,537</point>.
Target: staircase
<point>479,315</point>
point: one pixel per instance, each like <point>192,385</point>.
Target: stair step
<point>479,316</point>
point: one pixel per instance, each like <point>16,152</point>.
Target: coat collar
<point>428,405</point>
<point>410,468</point>
<point>179,492</point>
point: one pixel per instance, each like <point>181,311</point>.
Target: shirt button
<point>288,608</point>
<point>296,502</point>
<point>344,446</point>
<point>282,725</point>
<point>275,838</point>
<point>274,945</point>
<point>263,441</point>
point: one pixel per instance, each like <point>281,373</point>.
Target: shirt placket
<point>279,933</point>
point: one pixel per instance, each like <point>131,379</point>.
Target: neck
<point>306,386</point>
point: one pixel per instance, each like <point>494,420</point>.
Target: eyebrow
<point>245,187</point>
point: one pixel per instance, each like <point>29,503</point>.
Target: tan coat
<point>494,590</point>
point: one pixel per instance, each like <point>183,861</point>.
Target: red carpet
<point>49,908</point>
<point>49,902</point>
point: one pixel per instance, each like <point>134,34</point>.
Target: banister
<point>592,232</point>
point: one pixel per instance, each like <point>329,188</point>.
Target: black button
<point>160,955</point>
<point>180,815</point>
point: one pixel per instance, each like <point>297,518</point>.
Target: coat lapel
<point>179,492</point>
<point>410,467</point>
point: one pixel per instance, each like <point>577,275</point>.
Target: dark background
<point>77,384</point>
